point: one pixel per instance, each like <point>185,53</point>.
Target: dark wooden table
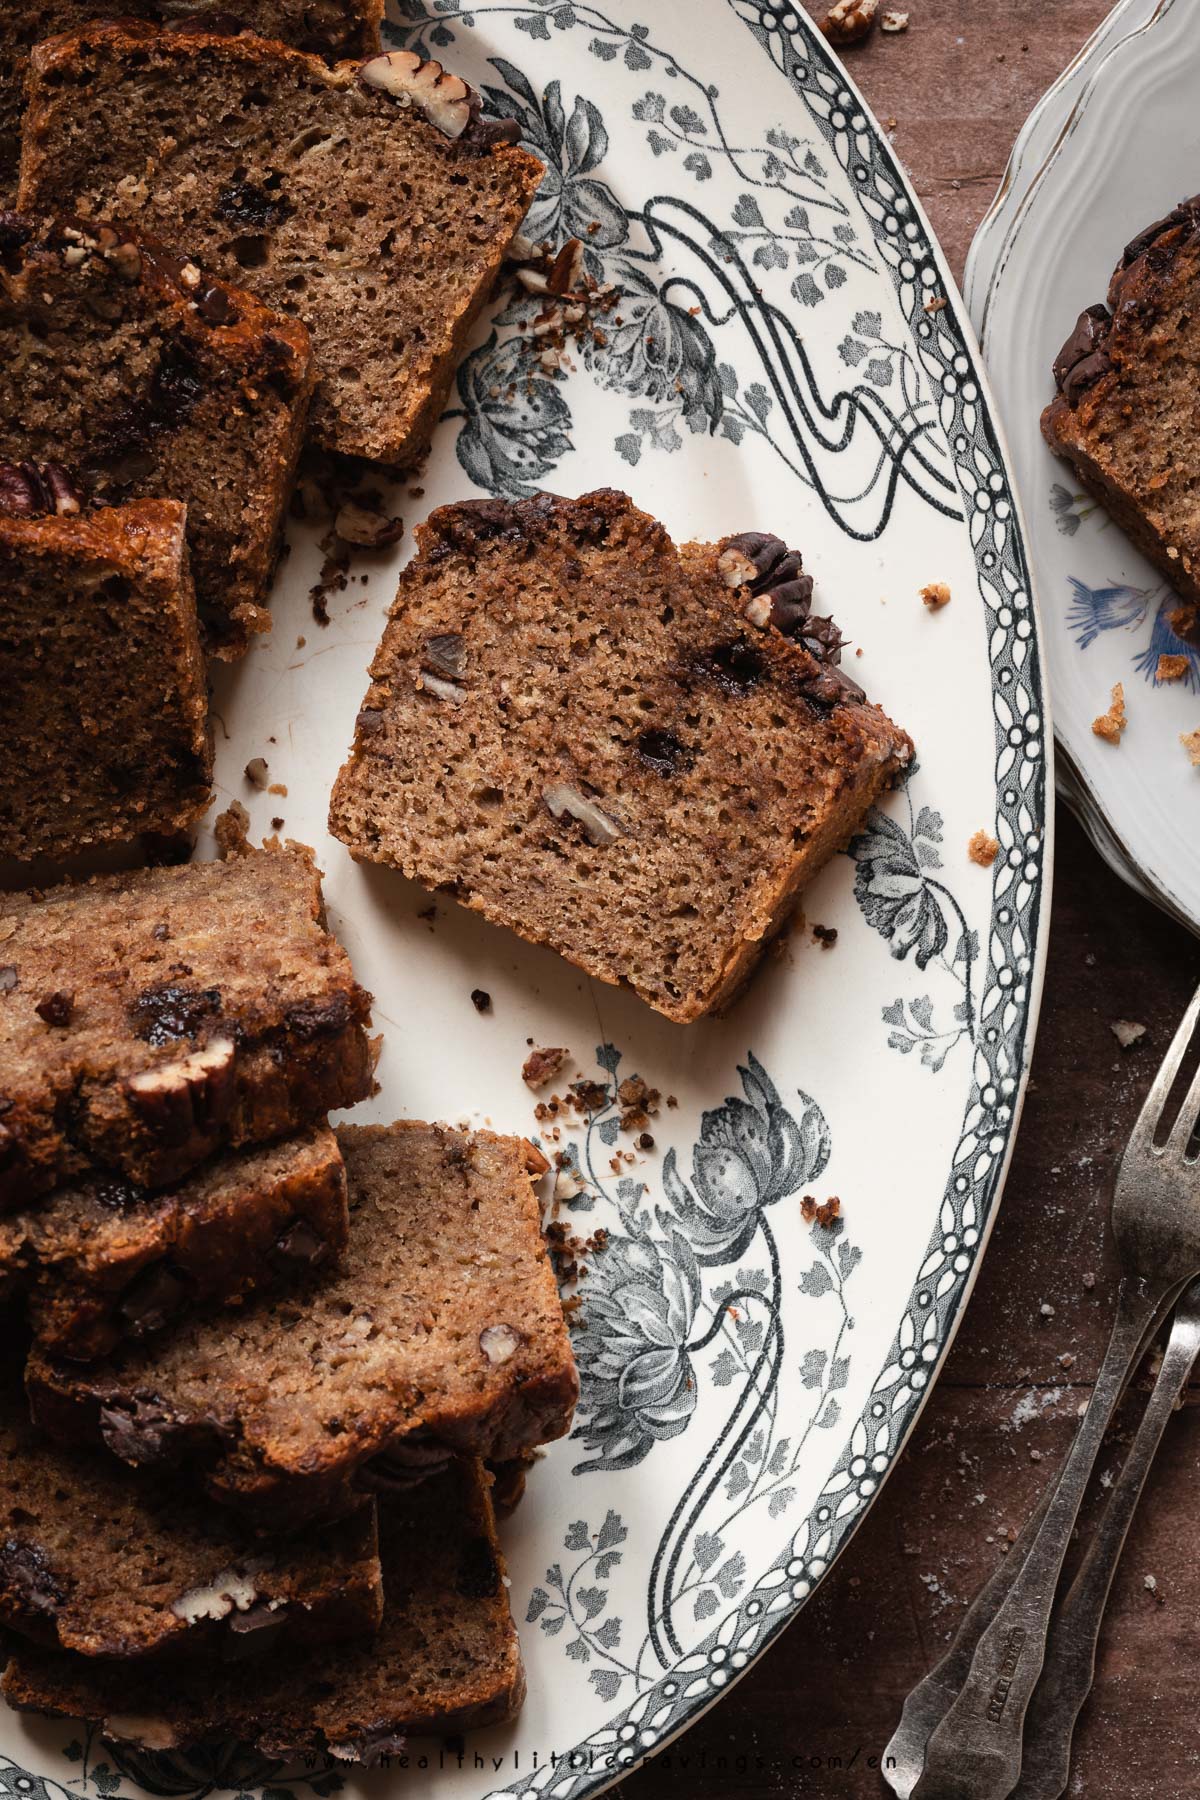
<point>953,91</point>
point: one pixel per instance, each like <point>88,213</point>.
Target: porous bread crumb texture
<point>445,1659</point>
<point>982,848</point>
<point>104,1566</point>
<point>103,705</point>
<point>108,364</point>
<point>1127,416</point>
<point>572,729</point>
<point>104,1261</point>
<point>442,1330</point>
<point>329,198</point>
<point>326,27</point>
<point>1191,743</point>
<point>1112,723</point>
<point>209,1008</point>
<point>1171,668</point>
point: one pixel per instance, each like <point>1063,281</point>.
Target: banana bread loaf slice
<point>370,199</point>
<point>635,754</point>
<point>445,1659</point>
<point>442,1330</point>
<point>95,1563</point>
<point>148,1019</point>
<point>326,27</point>
<point>151,381</point>
<point>1126,414</point>
<point>105,1261</point>
<point>103,706</point>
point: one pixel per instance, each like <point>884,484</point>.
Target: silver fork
<point>1070,1665</point>
<point>969,1746</point>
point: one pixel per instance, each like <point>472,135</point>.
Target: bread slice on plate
<point>441,1331</point>
<point>633,753</point>
<point>103,1261</point>
<point>326,27</point>
<point>446,1658</point>
<point>105,1566</point>
<point>370,199</point>
<point>149,1019</point>
<point>104,704</point>
<point>148,380</point>
<point>1125,414</point>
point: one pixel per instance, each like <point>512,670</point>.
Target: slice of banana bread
<point>635,754</point>
<point>446,1658</point>
<point>103,706</point>
<point>326,27</point>
<point>371,199</point>
<point>148,1019</point>
<point>443,1330</point>
<point>105,1261</point>
<point>148,380</point>
<point>1126,415</point>
<point>95,1563</point>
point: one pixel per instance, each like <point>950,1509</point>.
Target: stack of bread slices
<point>251,1413</point>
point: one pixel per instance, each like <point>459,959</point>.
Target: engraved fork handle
<point>1070,1665</point>
<point>975,1752</point>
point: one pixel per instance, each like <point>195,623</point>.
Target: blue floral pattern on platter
<point>779,295</point>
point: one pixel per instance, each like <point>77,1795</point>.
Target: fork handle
<point>1070,1665</point>
<point>975,1753</point>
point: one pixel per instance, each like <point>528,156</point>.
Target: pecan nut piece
<point>176,1098</point>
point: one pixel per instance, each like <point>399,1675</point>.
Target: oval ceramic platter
<point>1114,145</point>
<point>780,356</point>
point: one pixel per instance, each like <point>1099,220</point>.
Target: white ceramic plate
<point>748,1380</point>
<point>1114,144</point>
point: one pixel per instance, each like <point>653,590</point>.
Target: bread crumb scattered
<point>1191,743</point>
<point>897,21</point>
<point>936,595</point>
<point>1111,724</point>
<point>849,21</point>
<point>1126,1033</point>
<point>1171,668</point>
<point>823,1214</point>
<point>983,849</point>
<point>825,935</point>
<point>541,1066</point>
<point>232,831</point>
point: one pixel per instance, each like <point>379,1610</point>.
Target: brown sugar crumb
<point>232,831</point>
<point>1111,724</point>
<point>1191,743</point>
<point>542,1066</point>
<point>937,594</point>
<point>849,21</point>
<point>1171,668</point>
<point>278,787</point>
<point>825,935</point>
<point>983,849</point>
<point>822,1214</point>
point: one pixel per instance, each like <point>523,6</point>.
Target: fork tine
<point>1142,1136</point>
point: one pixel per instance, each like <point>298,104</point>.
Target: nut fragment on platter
<point>500,1342</point>
<point>444,99</point>
<point>849,21</point>
<point>1111,724</point>
<point>368,529</point>
<point>936,595</point>
<point>983,849</point>
<point>893,22</point>
<point>541,1066</point>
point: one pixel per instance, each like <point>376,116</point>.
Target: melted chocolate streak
<point>793,381</point>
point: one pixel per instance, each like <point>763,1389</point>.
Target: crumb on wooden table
<point>1191,743</point>
<point>983,849</point>
<point>893,22</point>
<point>1171,668</point>
<point>1112,723</point>
<point>849,21</point>
<point>1126,1032</point>
<point>936,595</point>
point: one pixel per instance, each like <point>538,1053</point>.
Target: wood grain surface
<point>813,1717</point>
